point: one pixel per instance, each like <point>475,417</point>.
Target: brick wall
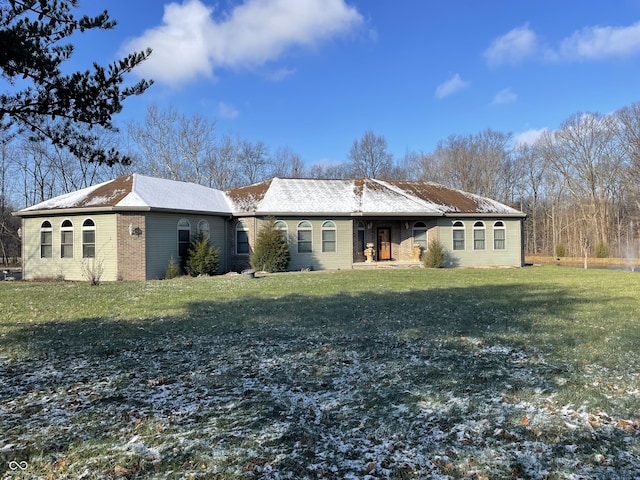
<point>131,248</point>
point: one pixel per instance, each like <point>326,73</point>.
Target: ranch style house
<point>134,225</point>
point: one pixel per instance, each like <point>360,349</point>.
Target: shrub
<point>271,252</point>
<point>435,255</point>
<point>92,270</point>
<point>560,250</point>
<point>602,250</point>
<point>173,269</point>
<point>202,257</point>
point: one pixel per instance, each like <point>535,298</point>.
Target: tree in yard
<point>435,256</point>
<point>41,99</point>
<point>369,156</point>
<point>271,252</point>
<point>202,257</point>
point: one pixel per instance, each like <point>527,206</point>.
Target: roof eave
<point>485,214</point>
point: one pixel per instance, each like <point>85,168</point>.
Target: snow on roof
<point>277,196</point>
<point>364,195</point>
<point>132,192</point>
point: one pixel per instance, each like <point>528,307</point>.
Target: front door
<point>384,244</point>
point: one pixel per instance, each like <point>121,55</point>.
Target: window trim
<point>184,225</point>
<point>417,228</point>
<point>479,228</point>
<point>304,226</point>
<point>283,228</point>
<point>456,227</point>
<point>361,243</point>
<point>500,226</point>
<point>66,227</point>
<point>206,231</point>
<point>242,226</point>
<point>327,227</point>
<point>88,228</point>
<point>46,228</point>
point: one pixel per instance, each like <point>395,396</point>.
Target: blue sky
<point>314,75</point>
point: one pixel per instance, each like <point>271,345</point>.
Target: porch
<point>385,264</point>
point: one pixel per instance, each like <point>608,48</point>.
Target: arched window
<point>329,237</point>
<point>282,227</point>
<point>66,239</point>
<point>479,236</point>
<point>46,240</point>
<point>458,235</point>
<point>88,239</point>
<point>361,244</point>
<point>242,238</point>
<point>420,235</point>
<point>184,237</point>
<point>499,235</point>
<point>203,229</point>
<point>305,237</point>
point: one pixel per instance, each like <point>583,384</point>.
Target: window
<point>458,235</point>
<point>184,238</point>
<point>328,236</point>
<point>478,236</point>
<point>242,238</point>
<point>361,243</point>
<point>305,237</point>
<point>420,235</point>
<point>66,239</point>
<point>88,239</point>
<point>46,240</point>
<point>282,228</point>
<point>499,236</point>
<point>203,229</point>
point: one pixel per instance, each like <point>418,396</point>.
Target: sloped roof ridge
<point>409,196</point>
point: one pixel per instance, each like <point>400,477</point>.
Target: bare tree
<point>174,146</point>
<point>369,156</point>
<point>584,151</point>
<point>476,163</point>
<point>288,164</point>
<point>252,162</point>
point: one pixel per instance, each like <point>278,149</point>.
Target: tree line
<point>577,184</point>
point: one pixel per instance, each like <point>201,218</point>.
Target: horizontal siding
<point>162,239</point>
<point>69,268</point>
<point>317,259</point>
<point>510,256</point>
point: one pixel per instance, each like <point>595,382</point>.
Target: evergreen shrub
<point>271,251</point>
<point>435,255</point>
<point>202,257</point>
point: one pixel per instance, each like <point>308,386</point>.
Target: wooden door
<point>384,244</point>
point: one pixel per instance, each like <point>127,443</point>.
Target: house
<point>134,225</point>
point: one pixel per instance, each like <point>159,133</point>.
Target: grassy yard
<point>483,374</point>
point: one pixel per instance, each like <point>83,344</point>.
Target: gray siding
<point>162,239</point>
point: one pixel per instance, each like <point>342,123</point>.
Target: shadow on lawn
<point>297,362</point>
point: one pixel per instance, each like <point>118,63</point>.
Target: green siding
<point>69,268</point>
<point>317,259</point>
<point>469,257</point>
<point>162,239</point>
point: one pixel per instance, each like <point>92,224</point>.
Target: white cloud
<point>280,74</point>
<point>512,47</point>
<point>595,43</point>
<point>504,97</point>
<point>190,42</point>
<point>227,110</point>
<point>451,86</point>
<point>529,137</point>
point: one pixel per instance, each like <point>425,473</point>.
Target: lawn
<point>456,373</point>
